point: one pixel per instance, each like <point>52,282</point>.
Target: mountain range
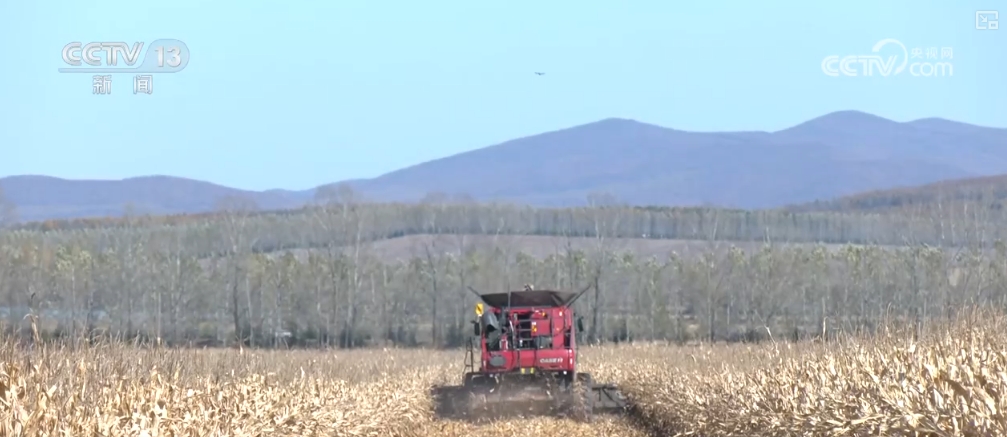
<point>838,154</point>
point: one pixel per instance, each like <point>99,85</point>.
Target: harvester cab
<point>524,351</point>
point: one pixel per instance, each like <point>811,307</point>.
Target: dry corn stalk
<point>949,383</point>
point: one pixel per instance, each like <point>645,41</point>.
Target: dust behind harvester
<point>522,360</point>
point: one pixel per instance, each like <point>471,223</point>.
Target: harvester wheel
<point>583,397</point>
<point>476,387</point>
<point>478,382</point>
<point>471,379</point>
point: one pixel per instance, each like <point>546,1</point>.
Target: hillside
<point>44,197</point>
<point>835,155</point>
<point>838,154</point>
<point>988,189</point>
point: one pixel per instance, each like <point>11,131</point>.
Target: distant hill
<point>835,155</point>
<point>838,154</point>
<point>990,190</point>
<point>44,197</point>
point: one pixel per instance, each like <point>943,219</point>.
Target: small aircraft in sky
<point>539,73</point>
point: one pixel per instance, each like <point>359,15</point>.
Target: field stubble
<point>950,382</point>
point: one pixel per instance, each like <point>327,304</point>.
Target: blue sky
<point>293,94</point>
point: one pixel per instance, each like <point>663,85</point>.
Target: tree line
<point>206,235</point>
<point>146,290</point>
<point>310,278</point>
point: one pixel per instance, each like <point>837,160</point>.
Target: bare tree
<point>8,210</point>
<point>431,256</point>
<point>604,208</point>
<point>345,202</point>
<point>235,212</point>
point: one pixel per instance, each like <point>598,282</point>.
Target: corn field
<point>947,381</point>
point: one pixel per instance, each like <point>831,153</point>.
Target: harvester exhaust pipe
<point>579,294</point>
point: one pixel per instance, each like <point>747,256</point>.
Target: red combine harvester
<point>527,358</point>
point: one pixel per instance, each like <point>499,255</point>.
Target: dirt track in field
<point>602,426</point>
<point>526,415</point>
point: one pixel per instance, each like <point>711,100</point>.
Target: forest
<point>313,277</point>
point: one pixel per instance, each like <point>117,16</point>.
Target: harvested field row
<point>949,383</point>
